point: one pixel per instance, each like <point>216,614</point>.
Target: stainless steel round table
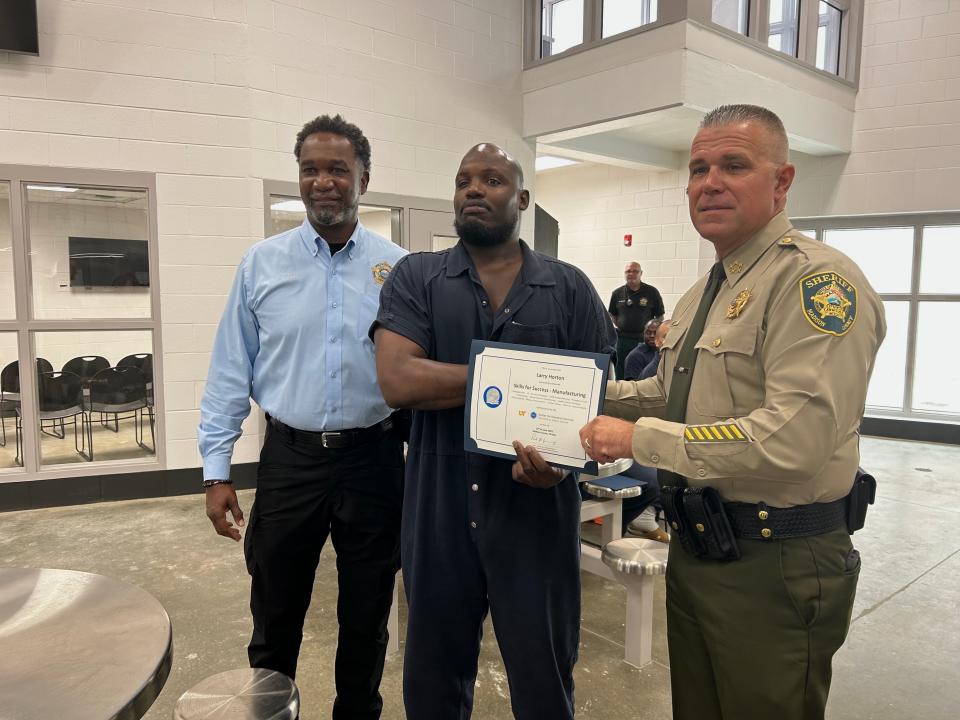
<point>80,646</point>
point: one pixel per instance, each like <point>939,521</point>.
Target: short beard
<point>328,217</point>
<point>480,235</point>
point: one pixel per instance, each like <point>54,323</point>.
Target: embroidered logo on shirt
<point>829,302</point>
<point>738,304</point>
<point>380,272</point>
<point>724,433</point>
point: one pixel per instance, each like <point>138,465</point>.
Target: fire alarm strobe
<point>628,240</point>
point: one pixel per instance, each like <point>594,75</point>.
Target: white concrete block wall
<point>906,145</point>
<point>596,205</point>
<point>209,94</point>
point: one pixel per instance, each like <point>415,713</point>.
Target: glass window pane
<point>286,213</point>
<point>622,15</point>
<point>940,259</point>
<point>10,452</point>
<point>936,374</point>
<point>378,220</point>
<point>828,37</point>
<point>885,255</point>
<point>784,25</point>
<point>8,310</point>
<point>731,14</point>
<point>562,26</point>
<point>887,382</point>
<point>88,251</point>
<point>96,396</point>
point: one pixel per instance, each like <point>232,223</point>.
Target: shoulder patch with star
<point>828,302</point>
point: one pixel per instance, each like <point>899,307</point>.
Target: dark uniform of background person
<point>294,338</point>
<point>482,533</point>
<point>645,352</point>
<point>771,422</point>
<point>632,306</point>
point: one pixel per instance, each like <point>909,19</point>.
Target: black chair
<point>60,397</point>
<point>86,366</point>
<point>10,393</point>
<point>144,363</point>
<point>116,391</point>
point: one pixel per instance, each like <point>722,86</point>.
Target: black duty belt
<point>760,522</point>
<point>333,439</point>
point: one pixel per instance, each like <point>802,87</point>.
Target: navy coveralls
<point>472,538</point>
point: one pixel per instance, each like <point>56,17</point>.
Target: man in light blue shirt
<point>293,337</point>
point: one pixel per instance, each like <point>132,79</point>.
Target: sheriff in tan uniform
<point>780,380</point>
<point>771,418</point>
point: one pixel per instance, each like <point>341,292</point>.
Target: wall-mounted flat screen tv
<point>18,26</point>
<point>103,262</point>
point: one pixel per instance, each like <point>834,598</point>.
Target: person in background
<point>651,369</point>
<point>642,354</point>
<point>294,338</point>
<point>632,306</point>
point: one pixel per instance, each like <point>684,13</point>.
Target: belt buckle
<point>328,435</point>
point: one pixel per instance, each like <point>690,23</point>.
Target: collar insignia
<point>739,303</point>
<point>380,272</point>
<point>735,267</point>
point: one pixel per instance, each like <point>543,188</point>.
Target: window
<point>562,26</point>
<point>79,305</point>
<point>828,37</point>
<point>7,303</point>
<point>784,27</point>
<point>622,15</point>
<point>732,14</point>
<point>910,261</point>
<point>287,213</point>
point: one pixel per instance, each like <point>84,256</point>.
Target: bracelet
<point>211,483</point>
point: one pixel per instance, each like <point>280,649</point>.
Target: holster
<point>700,522</point>
<point>862,494</point>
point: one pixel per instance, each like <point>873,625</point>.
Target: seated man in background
<point>643,353</point>
<point>651,369</point>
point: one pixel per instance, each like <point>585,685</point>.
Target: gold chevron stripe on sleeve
<point>722,433</point>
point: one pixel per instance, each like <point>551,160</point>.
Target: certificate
<point>539,396</point>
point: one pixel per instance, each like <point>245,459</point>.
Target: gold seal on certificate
<point>538,396</point>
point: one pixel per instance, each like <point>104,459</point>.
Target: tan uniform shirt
<point>780,381</point>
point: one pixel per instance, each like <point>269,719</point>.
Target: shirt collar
<point>314,241</point>
<point>738,263</point>
<point>533,271</point>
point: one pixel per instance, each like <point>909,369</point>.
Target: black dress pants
<point>304,493</point>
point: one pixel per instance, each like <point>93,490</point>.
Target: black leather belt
<point>760,522</point>
<point>333,439</point>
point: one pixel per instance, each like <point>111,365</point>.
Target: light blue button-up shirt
<point>293,337</point>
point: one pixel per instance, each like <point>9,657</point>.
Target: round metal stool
<point>635,562</point>
<point>247,694</point>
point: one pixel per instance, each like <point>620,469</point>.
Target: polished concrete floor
<point>901,660</point>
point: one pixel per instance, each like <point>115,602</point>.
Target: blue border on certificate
<point>601,360</point>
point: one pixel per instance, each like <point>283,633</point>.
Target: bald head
<point>489,151</point>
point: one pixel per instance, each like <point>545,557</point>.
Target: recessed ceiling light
<point>288,206</point>
<point>549,162</point>
<point>53,188</point>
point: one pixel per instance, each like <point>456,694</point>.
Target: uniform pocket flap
<point>719,338</point>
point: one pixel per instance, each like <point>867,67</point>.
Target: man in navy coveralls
<point>481,533</point>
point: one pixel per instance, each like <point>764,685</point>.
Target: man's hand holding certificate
<point>537,397</point>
